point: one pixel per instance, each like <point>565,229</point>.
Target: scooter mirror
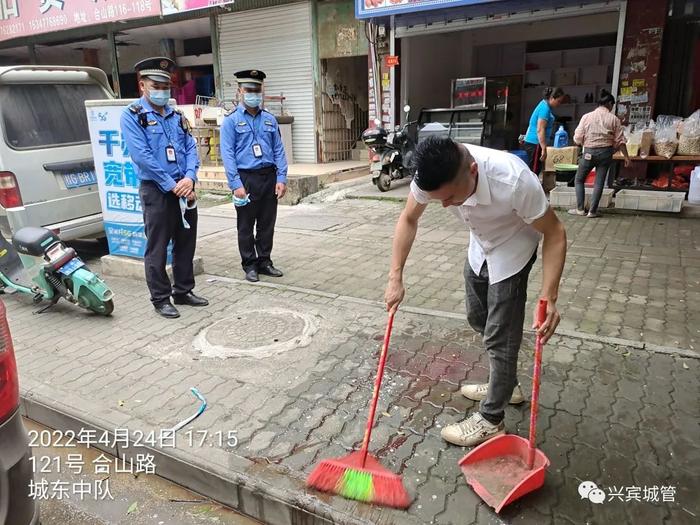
<point>407,108</point>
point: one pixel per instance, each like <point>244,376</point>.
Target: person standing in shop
<point>540,128</point>
<point>600,133</point>
<point>256,169</point>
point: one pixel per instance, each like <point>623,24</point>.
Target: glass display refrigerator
<point>478,113</point>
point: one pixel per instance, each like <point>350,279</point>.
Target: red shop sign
<point>391,60</point>
<point>20,18</point>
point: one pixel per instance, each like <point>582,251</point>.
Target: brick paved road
<point>612,414</point>
<point>634,278</point>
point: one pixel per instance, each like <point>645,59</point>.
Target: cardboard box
<point>568,155</point>
<point>565,77</point>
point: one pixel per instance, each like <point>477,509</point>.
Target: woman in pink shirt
<point>600,134</point>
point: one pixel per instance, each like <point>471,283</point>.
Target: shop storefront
<point>113,35</point>
<point>208,43</point>
<point>499,55</point>
<point>521,47</point>
<point>279,41</point>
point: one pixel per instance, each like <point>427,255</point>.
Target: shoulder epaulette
<point>136,110</point>
<point>184,123</point>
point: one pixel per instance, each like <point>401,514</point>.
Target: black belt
<point>259,171</point>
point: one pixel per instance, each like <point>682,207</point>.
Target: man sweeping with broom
<point>502,203</point>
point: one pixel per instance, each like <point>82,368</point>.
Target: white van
<point>47,173</point>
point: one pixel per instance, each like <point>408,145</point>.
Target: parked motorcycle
<point>392,152</point>
<point>56,272</point>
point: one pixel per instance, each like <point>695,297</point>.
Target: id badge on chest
<point>170,153</point>
<point>257,151</point>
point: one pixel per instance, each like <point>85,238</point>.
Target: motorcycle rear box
<point>374,137</point>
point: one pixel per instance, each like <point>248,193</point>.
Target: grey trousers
<point>600,159</point>
<point>497,312</point>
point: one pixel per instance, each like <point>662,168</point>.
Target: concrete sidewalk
<point>287,367</point>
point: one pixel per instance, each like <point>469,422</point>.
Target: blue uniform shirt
<point>147,146</point>
<point>544,112</point>
<point>239,132</point>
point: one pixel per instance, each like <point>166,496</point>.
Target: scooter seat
<point>31,240</point>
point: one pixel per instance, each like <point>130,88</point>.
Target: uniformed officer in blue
<point>164,154</point>
<point>256,169</point>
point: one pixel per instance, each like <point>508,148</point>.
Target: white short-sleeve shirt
<point>508,198</point>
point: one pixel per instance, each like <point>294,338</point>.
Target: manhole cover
<point>256,333</point>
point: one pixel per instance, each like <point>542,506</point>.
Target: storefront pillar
<point>214,30</point>
<point>114,59</point>
<point>316,66</point>
<point>641,59</point>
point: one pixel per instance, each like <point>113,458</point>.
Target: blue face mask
<point>252,100</point>
<point>159,97</point>
<point>241,202</point>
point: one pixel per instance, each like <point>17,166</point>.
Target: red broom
<point>360,476</point>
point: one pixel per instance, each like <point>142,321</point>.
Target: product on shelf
<point>666,135</point>
<point>646,141</point>
<point>689,141</point>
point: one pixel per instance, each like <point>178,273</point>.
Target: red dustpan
<point>507,467</point>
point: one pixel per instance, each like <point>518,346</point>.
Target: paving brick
<point>431,500</point>
<point>626,413</point>
<point>460,506</point>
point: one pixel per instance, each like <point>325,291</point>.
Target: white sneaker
<point>478,393</point>
<point>472,431</point>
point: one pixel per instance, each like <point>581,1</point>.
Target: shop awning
<point>495,13</point>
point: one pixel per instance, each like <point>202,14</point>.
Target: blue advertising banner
<point>378,8</point>
<point>116,179</point>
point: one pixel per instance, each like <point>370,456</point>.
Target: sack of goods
<point>666,135</point>
<point>634,139</point>
<point>689,142</point>
<point>646,140</point>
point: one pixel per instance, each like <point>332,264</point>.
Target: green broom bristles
<point>356,485</point>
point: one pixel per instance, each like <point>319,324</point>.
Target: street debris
<point>194,416</point>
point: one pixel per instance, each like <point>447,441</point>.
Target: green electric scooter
<point>55,271</point>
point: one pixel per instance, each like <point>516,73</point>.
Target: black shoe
<point>252,276</point>
<point>270,270</point>
<point>190,299</point>
<point>167,310</point>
